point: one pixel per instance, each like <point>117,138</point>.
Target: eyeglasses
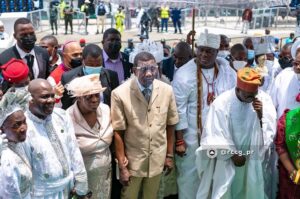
<point>144,69</point>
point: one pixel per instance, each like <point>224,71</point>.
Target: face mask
<point>239,64</point>
<point>285,62</point>
<point>76,62</point>
<point>223,53</point>
<point>115,47</point>
<point>251,54</point>
<point>28,42</point>
<point>269,64</point>
<point>88,70</point>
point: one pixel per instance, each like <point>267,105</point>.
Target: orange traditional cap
<point>15,70</point>
<point>248,79</point>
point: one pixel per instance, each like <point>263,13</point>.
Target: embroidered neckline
<point>16,148</point>
<point>34,118</point>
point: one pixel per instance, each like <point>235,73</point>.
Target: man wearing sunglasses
<point>50,43</point>
<point>143,117</point>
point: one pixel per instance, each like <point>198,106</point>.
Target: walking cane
<point>193,29</point>
<point>199,85</point>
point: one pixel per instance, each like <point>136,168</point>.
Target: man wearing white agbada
<point>285,92</point>
<point>94,132</point>
<point>265,59</point>
<point>240,127</point>
<point>57,165</point>
<point>195,86</point>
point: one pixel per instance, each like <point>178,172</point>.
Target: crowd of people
<point>120,19</point>
<point>82,121</point>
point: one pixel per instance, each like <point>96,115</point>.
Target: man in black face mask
<point>113,59</point>
<point>72,58</point>
<point>35,57</point>
<point>285,59</point>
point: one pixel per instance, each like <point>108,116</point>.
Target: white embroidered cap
<point>85,85</point>
<point>7,109</point>
<point>262,71</point>
<point>209,40</point>
<point>156,49</point>
<point>15,99</point>
<point>295,47</point>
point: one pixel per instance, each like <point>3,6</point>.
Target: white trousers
<point>245,26</point>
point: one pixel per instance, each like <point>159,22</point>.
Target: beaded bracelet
<point>297,177</point>
<point>180,142</point>
<point>169,156</point>
<point>293,174</point>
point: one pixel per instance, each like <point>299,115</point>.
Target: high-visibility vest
<point>164,13</point>
<point>61,6</point>
<point>119,17</point>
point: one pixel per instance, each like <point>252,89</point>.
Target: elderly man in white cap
<point>196,84</point>
<point>285,92</point>
<point>264,58</point>
<point>3,35</point>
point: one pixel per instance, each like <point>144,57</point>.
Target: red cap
<point>82,41</point>
<point>15,71</point>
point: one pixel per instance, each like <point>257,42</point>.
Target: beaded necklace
<point>210,95</point>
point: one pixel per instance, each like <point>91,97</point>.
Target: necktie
<point>30,59</point>
<point>147,94</point>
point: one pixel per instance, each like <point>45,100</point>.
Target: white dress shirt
<point>35,66</point>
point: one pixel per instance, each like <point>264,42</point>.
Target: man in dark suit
<point>92,59</point>
<point>182,54</point>
<point>35,57</point>
<point>113,59</point>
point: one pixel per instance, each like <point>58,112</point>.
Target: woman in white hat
<point>93,131</point>
<point>15,170</point>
